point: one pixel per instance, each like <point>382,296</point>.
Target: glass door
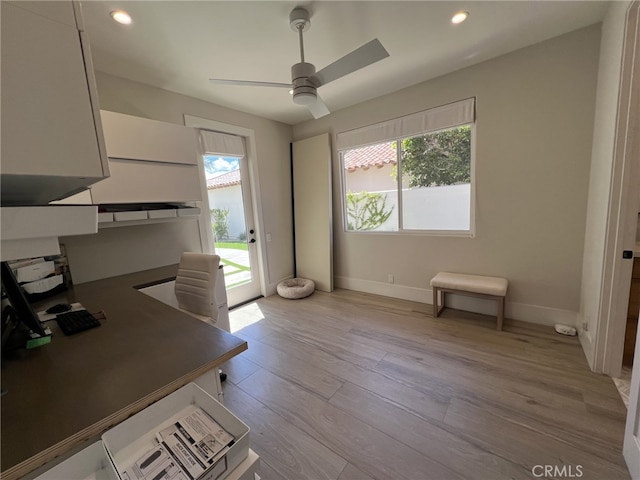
<point>232,225</point>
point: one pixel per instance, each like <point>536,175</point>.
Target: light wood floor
<point>353,386</point>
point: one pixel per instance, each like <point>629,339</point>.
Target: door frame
<point>624,202</point>
<point>254,185</point>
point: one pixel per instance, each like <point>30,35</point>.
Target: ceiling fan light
<point>304,98</point>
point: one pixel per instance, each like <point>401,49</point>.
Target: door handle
<point>253,240</point>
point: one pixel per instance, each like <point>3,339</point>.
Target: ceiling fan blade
<point>367,54</point>
<point>249,83</point>
<point>318,109</point>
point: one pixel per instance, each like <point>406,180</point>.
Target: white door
<point>624,204</point>
<point>245,271</point>
<point>312,205</point>
<point>243,283</point>
<point>631,447</point>
<point>233,228</point>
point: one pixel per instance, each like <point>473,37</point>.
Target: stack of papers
<point>186,450</point>
<point>36,275</point>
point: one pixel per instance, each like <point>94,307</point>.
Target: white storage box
<point>189,212</point>
<point>128,441</point>
<point>165,213</point>
<point>105,217</point>
<point>91,463</point>
<point>129,216</point>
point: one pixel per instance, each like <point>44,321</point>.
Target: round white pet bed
<point>295,288</point>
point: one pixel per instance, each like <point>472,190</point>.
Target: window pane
<point>371,188</point>
<point>436,171</point>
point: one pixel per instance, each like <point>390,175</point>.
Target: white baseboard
<point>517,311</point>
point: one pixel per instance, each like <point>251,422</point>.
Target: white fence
<point>231,198</point>
<point>430,208</point>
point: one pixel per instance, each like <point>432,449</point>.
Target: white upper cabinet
<point>135,181</point>
<point>52,144</point>
<point>150,162</point>
<point>136,138</point>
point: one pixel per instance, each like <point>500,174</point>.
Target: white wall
<point>438,208</point>
<point>230,198</point>
<point>272,144</point>
<point>120,250</point>
<point>371,179</point>
<point>430,208</point>
<point>535,111</point>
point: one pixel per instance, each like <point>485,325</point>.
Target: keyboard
<point>76,322</point>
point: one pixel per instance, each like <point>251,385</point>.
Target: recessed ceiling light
<point>459,17</point>
<point>291,92</point>
<point>121,16</point>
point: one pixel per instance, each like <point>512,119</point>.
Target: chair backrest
<point>196,283</point>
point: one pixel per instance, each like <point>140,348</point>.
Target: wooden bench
<point>494,288</point>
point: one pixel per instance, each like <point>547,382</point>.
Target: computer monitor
<point>19,315</point>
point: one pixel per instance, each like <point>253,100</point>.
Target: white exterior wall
<point>373,179</point>
<point>435,208</point>
<point>439,208</point>
<point>231,198</point>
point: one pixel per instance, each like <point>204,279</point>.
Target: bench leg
<point>500,313</point>
<point>437,310</point>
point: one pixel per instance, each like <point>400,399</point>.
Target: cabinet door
<point>62,12</point>
<point>48,128</point>
<point>134,181</point>
<point>139,138</point>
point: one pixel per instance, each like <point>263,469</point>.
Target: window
<point>417,178</point>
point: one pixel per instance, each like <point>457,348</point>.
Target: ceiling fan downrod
<point>304,92</point>
<point>300,30</point>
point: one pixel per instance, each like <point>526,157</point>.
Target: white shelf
<point>145,217</point>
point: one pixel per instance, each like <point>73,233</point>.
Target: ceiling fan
<point>305,80</point>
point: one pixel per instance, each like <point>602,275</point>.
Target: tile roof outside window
<point>226,180</point>
<point>371,156</point>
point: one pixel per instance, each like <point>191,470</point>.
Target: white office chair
<point>195,288</point>
<point>196,284</point>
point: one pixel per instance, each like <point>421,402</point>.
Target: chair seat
<point>203,318</point>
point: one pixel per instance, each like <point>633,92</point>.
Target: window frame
<point>470,233</point>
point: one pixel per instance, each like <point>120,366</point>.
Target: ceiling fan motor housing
<point>304,91</point>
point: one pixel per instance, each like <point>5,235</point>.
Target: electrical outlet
<point>390,278</point>
<point>585,326</point>
<point>268,235</point>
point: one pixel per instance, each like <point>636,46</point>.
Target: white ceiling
<point>179,45</point>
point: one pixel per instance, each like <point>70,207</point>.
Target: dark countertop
<point>62,394</point>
